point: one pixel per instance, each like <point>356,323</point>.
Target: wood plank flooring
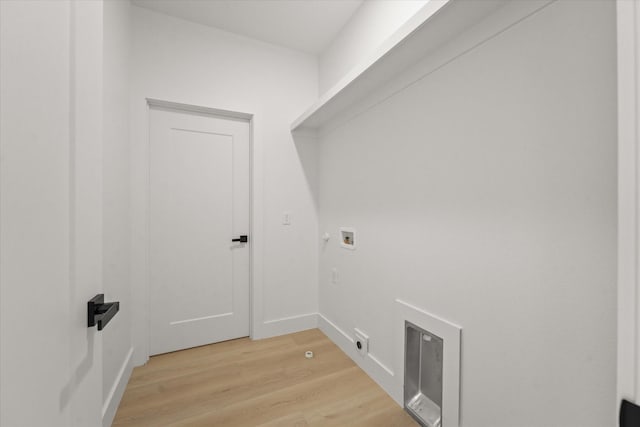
<point>264,383</point>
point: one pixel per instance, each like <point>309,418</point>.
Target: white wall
<point>175,60</point>
<point>485,193</point>
<point>116,202</point>
<point>50,212</point>
<point>365,31</point>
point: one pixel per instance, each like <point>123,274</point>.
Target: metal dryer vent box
<point>423,375</point>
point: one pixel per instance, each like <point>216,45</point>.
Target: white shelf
<point>436,23</point>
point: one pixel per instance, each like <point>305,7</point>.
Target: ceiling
<point>306,25</point>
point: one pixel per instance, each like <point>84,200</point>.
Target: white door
<point>198,203</point>
<point>50,212</point>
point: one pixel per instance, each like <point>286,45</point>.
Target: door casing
<point>628,361</point>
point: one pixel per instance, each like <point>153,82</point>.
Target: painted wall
<point>175,60</point>
<point>368,28</point>
<point>50,212</point>
<point>485,193</point>
<point>116,202</point>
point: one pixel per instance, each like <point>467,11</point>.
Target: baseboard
<point>286,325</point>
<point>373,367</point>
<point>117,390</point>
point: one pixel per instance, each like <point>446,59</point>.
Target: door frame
<point>254,227</point>
<point>628,358</point>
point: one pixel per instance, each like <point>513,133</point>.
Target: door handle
<point>99,312</point>
<point>242,239</point>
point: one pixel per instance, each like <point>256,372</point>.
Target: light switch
<point>286,218</point>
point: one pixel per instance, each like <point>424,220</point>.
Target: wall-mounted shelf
<point>436,23</point>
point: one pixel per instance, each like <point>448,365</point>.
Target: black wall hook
<point>99,312</point>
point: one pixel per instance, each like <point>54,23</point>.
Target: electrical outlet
<point>361,342</point>
<point>334,275</point>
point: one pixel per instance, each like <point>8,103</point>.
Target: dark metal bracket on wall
<point>100,313</point>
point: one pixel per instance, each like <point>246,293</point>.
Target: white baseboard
<point>117,390</point>
<point>286,325</point>
<point>373,367</point>
<point>139,358</point>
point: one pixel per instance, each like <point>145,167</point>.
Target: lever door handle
<point>99,312</point>
<point>242,239</point>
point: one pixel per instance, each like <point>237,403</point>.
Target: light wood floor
<point>265,383</point>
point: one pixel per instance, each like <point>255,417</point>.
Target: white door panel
<point>199,201</point>
<point>50,212</point>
